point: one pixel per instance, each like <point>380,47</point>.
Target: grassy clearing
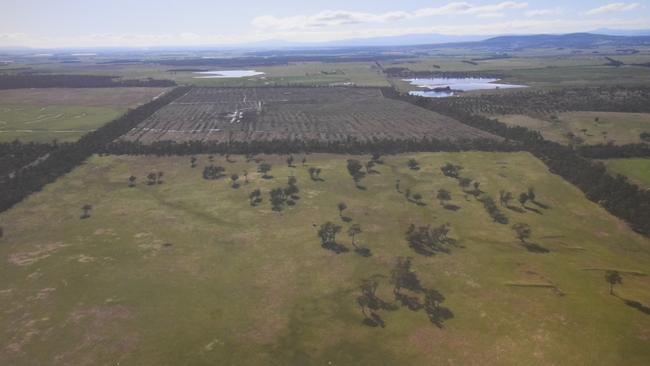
<point>65,114</point>
<point>589,127</point>
<point>187,272</point>
<point>45,123</point>
<point>638,170</point>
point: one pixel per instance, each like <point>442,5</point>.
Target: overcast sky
<point>141,23</point>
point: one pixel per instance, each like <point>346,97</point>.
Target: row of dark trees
<point>610,151</point>
<point>615,193</point>
<point>64,158</point>
<point>16,155</point>
<point>546,101</point>
<point>33,80</point>
<point>284,147</point>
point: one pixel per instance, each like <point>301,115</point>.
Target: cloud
<point>332,18</point>
<point>541,12</point>
<point>613,7</point>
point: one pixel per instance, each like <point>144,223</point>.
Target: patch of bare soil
<point>41,251</point>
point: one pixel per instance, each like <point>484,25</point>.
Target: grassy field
<point>188,273</point>
<point>589,127</point>
<point>46,123</point>
<point>638,170</point>
<point>42,115</point>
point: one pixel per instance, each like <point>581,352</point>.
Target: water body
<point>227,74</point>
<point>446,87</point>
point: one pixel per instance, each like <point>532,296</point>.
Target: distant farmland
<point>327,114</point>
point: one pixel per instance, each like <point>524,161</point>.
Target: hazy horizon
<point>98,24</point>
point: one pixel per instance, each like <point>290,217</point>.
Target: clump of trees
<point>314,174</point>
<point>287,195</point>
<point>327,234</point>
<point>154,178</point>
<point>371,304</point>
<point>355,169</point>
<point>410,293</point>
<point>429,241</point>
<point>451,170</point>
<point>413,164</point>
<point>264,168</point>
<point>213,172</point>
<point>523,232</point>
<point>492,209</point>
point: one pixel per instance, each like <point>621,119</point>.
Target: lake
<point>446,87</point>
<point>226,74</point>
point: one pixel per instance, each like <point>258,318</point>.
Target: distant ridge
<point>572,40</point>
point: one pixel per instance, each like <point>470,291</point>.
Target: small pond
<point>226,74</point>
<point>446,87</point>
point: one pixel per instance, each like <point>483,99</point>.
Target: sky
<point>155,23</point>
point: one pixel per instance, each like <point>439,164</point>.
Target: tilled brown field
<point>329,114</point>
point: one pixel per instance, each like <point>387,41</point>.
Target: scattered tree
<point>264,168</point>
<point>132,181</point>
<point>413,164</point>
<point>234,179</point>
<point>341,206</point>
<point>613,278</point>
<point>255,197</point>
<point>151,178</point>
<point>443,196</point>
<point>290,161</point>
<point>86,211</point>
<point>353,231</point>
<point>523,231</point>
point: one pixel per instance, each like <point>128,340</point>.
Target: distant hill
<point>572,40</point>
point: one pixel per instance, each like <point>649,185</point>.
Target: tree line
<point>31,80</point>
<point>294,146</point>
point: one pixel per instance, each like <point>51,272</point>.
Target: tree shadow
<point>533,210</point>
<point>364,252</point>
<point>374,321</point>
<point>336,247</point>
<point>541,205</point>
<point>535,248</point>
<point>236,186</point>
<point>411,302</point>
<point>346,218</point>
<point>636,305</point>
<point>256,202</point>
<point>451,207</point>
<point>438,315</point>
<point>360,187</point>
<point>515,209</point>
<point>266,176</point>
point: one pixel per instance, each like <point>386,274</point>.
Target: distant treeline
<point>29,80</point>
<point>616,194</point>
<point>64,158</point>
<point>283,146</point>
<point>403,72</point>
<point>545,102</point>
<point>254,61</point>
